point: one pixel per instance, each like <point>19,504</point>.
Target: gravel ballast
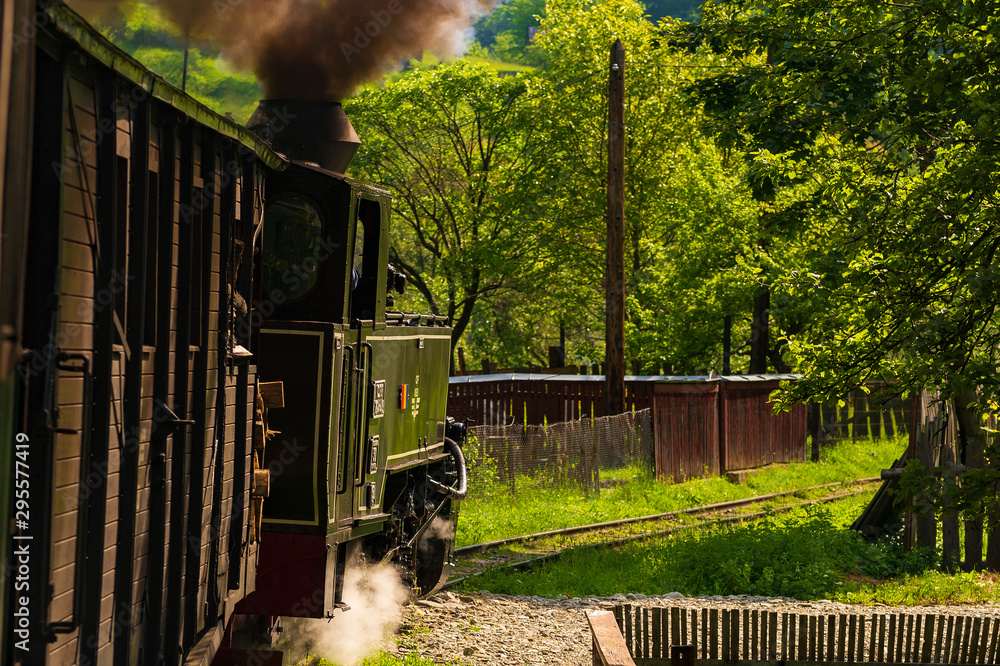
<point>484,628</point>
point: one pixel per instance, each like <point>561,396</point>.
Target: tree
<point>505,29</point>
<point>891,112</point>
<point>686,212</point>
<point>458,148</point>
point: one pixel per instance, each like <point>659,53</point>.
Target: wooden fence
<point>702,425</point>
<point>864,414</point>
<point>755,637</point>
<point>537,399</point>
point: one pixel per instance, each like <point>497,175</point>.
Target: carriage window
<point>293,230</point>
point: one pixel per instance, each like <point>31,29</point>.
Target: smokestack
<point>308,131</point>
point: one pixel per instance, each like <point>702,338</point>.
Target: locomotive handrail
<point>609,645</point>
<point>415,318</point>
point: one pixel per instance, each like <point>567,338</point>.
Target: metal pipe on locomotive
<point>224,411</point>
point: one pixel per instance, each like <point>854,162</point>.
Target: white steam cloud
<point>376,596</point>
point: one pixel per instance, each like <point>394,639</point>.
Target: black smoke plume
<point>323,49</point>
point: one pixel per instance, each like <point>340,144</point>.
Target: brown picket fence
<point>755,637</point>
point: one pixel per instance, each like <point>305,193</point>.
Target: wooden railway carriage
<point>221,415</point>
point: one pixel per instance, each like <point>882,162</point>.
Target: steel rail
<point>593,527</point>
<point>527,563</point>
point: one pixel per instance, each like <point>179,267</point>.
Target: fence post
<point>949,523</point>
<point>926,524</point>
<point>813,417</point>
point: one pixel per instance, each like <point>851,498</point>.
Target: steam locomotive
<point>210,411</point>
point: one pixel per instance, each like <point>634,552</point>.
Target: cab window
<point>293,231</point>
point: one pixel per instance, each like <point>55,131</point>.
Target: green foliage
<point>871,126</point>
<point>685,10</point>
<point>491,512</point>
<point>457,146</point>
<point>505,30</point>
<point>687,214</point>
<point>887,110</point>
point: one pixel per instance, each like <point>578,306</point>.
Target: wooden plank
<point>939,640</point>
<point>746,635</point>
<point>645,633</point>
<point>664,634</point>
<point>947,643</point>
<point>878,654</point>
<point>872,640</point>
<point>983,642</point>
<point>812,637</point>
<point>821,652</point>
<point>783,652</point>
<point>841,637</point>
<point>675,626</point>
<point>956,640</point>
<point>273,394</point>
<point>861,638</point>
<point>925,653</point>
<point>713,649</point>
<point>966,637</point>
<point>755,642</point>
<point>995,640</point>
<point>657,647</point>
<point>831,637</point>
<point>627,617</point>
<point>609,648</point>
<point>974,641</point>
<point>803,636</point>
<point>772,635</point>
<point>693,640</point>
<point>852,637</point>
<point>637,631</point>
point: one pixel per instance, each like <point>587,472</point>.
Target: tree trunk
<point>759,341</point>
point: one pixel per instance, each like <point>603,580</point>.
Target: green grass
<point>928,587</point>
<point>492,513</point>
<point>807,554</point>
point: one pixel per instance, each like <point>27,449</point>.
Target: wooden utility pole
<point>614,330</point>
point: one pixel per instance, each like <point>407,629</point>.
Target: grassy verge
<point>493,513</point>
<point>806,554</point>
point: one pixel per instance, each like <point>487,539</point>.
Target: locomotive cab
<point>358,459</point>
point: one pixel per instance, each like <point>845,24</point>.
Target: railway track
<point>522,552</point>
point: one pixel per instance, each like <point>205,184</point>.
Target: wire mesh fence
<point>504,459</point>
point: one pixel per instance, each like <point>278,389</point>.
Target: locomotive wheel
<point>433,555</point>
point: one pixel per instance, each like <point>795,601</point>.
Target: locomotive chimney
<point>309,131</point>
